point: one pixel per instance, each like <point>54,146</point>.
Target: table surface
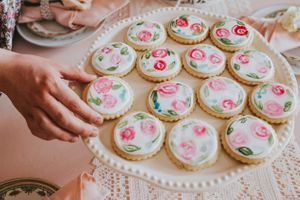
<point>23,155</point>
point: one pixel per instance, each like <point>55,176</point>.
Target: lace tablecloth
<point>279,180</point>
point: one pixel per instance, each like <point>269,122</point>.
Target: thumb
<point>77,74</point>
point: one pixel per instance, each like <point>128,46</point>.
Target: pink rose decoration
<point>109,101</point>
<point>160,65</point>
<point>215,58</point>
<point>196,27</point>
<point>115,59</point>
<point>197,54</point>
<point>217,84</point>
<point>222,32</point>
<point>187,149</point>
<point>228,104</point>
<point>159,53</point>
<point>103,85</point>
<point>106,50</point>
<point>273,108</point>
<point>149,24</point>
<point>278,90</point>
<point>179,105</point>
<point>262,69</point>
<point>148,127</point>
<point>259,130</point>
<point>199,130</point>
<point>238,138</point>
<point>167,89</point>
<point>144,36</point>
<point>181,22</point>
<point>127,133</point>
<point>239,30</point>
<point>242,59</point>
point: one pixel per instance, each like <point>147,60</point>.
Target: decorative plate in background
<point>26,189</point>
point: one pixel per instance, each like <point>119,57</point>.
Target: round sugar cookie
<point>204,61</point>
<point>249,139</point>
<point>188,29</point>
<point>222,97</point>
<point>273,102</point>
<point>159,64</point>
<point>231,35</point>
<point>138,136</point>
<point>115,59</point>
<point>171,101</point>
<point>110,96</point>
<point>192,144</point>
<point>251,67</point>
<point>146,34</point>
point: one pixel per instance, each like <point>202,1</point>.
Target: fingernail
<point>99,120</point>
<point>93,76</point>
<point>94,132</point>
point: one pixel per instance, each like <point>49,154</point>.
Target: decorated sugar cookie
<point>188,29</point>
<point>160,64</point>
<point>274,102</point>
<point>249,139</point>
<point>110,96</point>
<point>192,144</point>
<point>222,97</point>
<point>115,58</point>
<point>204,61</point>
<point>171,101</point>
<point>145,34</point>
<point>251,67</point>
<point>138,136</point>
<point>231,35</point>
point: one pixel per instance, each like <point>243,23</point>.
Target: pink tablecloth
<point>23,155</point>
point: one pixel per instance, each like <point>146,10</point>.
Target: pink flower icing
<point>106,50</point>
<point>215,58</point>
<point>196,27</point>
<point>259,130</point>
<point>144,36</point>
<point>228,104</point>
<point>179,105</point>
<point>262,69</point>
<point>148,127</point>
<point>222,32</point>
<point>160,65</point>
<point>181,22</point>
<point>127,133</point>
<point>103,85</point>
<point>238,138</point>
<point>187,149</point>
<point>239,30</point>
<point>109,101</point>
<point>115,59</point>
<point>278,90</point>
<point>159,53</point>
<point>242,59</point>
<point>217,84</point>
<point>167,89</point>
<point>199,130</point>
<point>273,108</point>
<point>197,54</point>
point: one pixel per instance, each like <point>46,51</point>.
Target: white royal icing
<point>113,58</point>
<point>274,100</point>
<point>252,65</point>
<point>222,95</point>
<point>139,133</point>
<point>109,95</point>
<point>205,58</point>
<point>171,99</point>
<point>188,27</point>
<point>250,137</point>
<point>193,142</point>
<point>160,62</point>
<point>146,32</point>
<point>232,32</point>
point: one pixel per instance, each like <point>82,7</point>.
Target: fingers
<point>67,120</point>
<point>76,74</point>
<point>72,101</point>
<point>41,126</point>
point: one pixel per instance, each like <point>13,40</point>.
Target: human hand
<point>51,109</point>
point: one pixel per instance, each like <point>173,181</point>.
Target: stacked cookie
<point>192,143</point>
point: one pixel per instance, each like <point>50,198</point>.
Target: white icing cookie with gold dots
<point>193,144</point>
<point>273,102</point>
<point>145,34</point>
<point>249,139</point>
<point>159,64</point>
<point>115,59</point>
<point>231,35</point>
<point>251,67</point>
<point>109,95</point>
<point>204,61</point>
<point>138,136</point>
